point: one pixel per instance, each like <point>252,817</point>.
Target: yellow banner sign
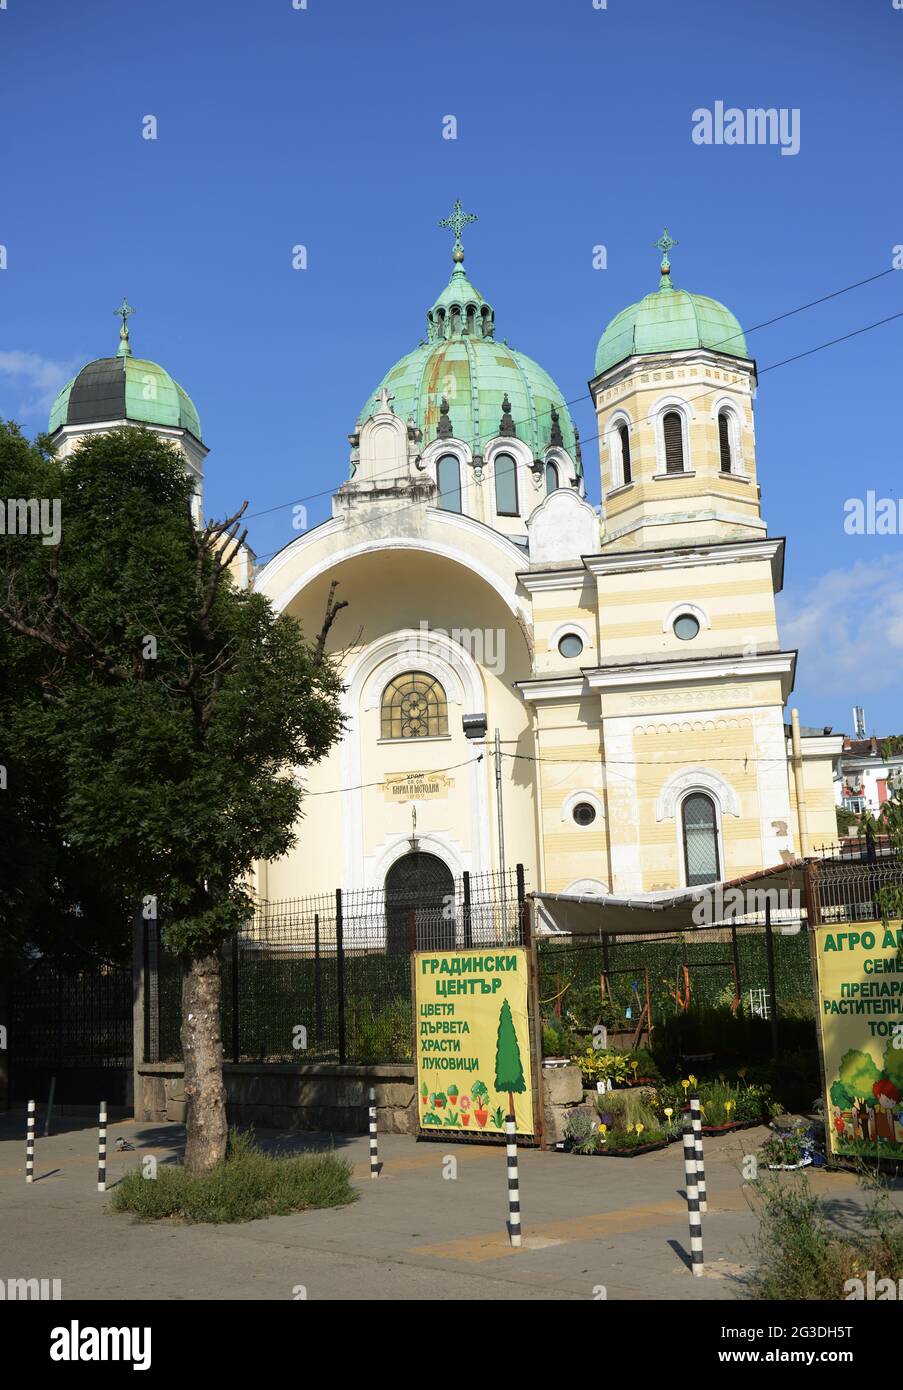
<point>416,786</point>
<point>860,989</point>
<point>473,1040</point>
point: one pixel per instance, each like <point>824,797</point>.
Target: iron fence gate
<point>327,978</point>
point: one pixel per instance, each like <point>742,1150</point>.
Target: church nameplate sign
<point>416,786</point>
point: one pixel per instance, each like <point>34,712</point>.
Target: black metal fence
<point>328,978</point>
<point>845,889</point>
<point>72,1023</point>
<point>709,966</point>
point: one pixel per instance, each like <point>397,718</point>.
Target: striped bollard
<point>513,1184</point>
<point>374,1143</point>
<point>696,1116</point>
<point>29,1144</point>
<point>102,1148</point>
<point>693,1202</point>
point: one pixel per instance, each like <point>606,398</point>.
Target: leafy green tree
<point>893,1060</point>
<point>841,1096</point>
<point>859,1073</point>
<point>509,1069</point>
<point>162,705</point>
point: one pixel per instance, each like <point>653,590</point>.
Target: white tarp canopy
<point>671,910</point>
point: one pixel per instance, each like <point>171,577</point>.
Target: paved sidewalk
<point>413,1234</point>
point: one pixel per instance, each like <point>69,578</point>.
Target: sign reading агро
<point>473,1039</point>
<point>860,1020</point>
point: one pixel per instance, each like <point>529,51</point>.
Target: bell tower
<point>673,391</point>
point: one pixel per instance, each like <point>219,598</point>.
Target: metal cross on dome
<point>124,311</point>
<point>664,244</point>
<point>457,222</point>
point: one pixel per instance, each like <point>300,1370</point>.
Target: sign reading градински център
<point>473,1040</point>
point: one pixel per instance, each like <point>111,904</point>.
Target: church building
<point>598,694</point>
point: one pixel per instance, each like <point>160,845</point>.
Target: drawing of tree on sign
<point>509,1069</point>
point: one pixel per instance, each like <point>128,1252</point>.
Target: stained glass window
<point>414,706</point>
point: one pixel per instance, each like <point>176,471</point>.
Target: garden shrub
<point>248,1185</point>
<point>802,1256</point>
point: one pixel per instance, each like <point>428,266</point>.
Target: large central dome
<point>461,363</point>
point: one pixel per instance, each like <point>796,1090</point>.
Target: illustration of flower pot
<point>440,1100</point>
<point>453,1095</point>
<point>465,1117</point>
<point>479,1094</point>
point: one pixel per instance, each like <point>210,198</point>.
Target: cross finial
<point>664,244</point>
<point>124,312</point>
<point>385,397</point>
<point>457,222</point>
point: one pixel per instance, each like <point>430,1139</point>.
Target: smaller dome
<point>670,320</point>
<point>124,388</point>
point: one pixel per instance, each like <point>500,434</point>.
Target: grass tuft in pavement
<point>250,1184</point>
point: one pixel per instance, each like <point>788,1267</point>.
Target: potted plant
<point>786,1150</point>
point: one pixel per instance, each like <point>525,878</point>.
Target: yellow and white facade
<point>629,660</point>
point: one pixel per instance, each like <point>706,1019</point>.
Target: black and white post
<point>29,1143</point>
<point>696,1116</point>
<point>102,1148</point>
<point>693,1202</point>
<point>374,1142</point>
<point>513,1184</point>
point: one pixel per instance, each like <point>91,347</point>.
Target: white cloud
<point>848,626</point>
<point>34,379</point>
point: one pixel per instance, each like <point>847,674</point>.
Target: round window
<point>686,627</point>
<point>584,813</point>
<point>570,644</point>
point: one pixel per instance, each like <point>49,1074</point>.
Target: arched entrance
<point>420,884</point>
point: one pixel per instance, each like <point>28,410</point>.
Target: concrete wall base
<point>320,1096</point>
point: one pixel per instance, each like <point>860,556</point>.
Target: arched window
<point>700,834</point>
<point>448,475</point>
<point>724,442</point>
<point>414,706</point>
<point>624,436</point>
<point>672,428</point>
<point>505,485</point>
<point>551,478</point>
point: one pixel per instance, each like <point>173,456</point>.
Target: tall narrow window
<point>551,478</point>
<point>672,427</point>
<point>414,706</point>
<point>449,478</point>
<point>700,827</point>
<point>724,442</point>
<point>624,436</point>
<point>505,485</point>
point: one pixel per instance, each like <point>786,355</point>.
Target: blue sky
<point>323,127</point>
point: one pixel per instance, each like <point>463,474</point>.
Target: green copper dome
<point>670,320</point>
<point>462,376</point>
<point>124,388</point>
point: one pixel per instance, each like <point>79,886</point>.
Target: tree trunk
<point>202,1049</point>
